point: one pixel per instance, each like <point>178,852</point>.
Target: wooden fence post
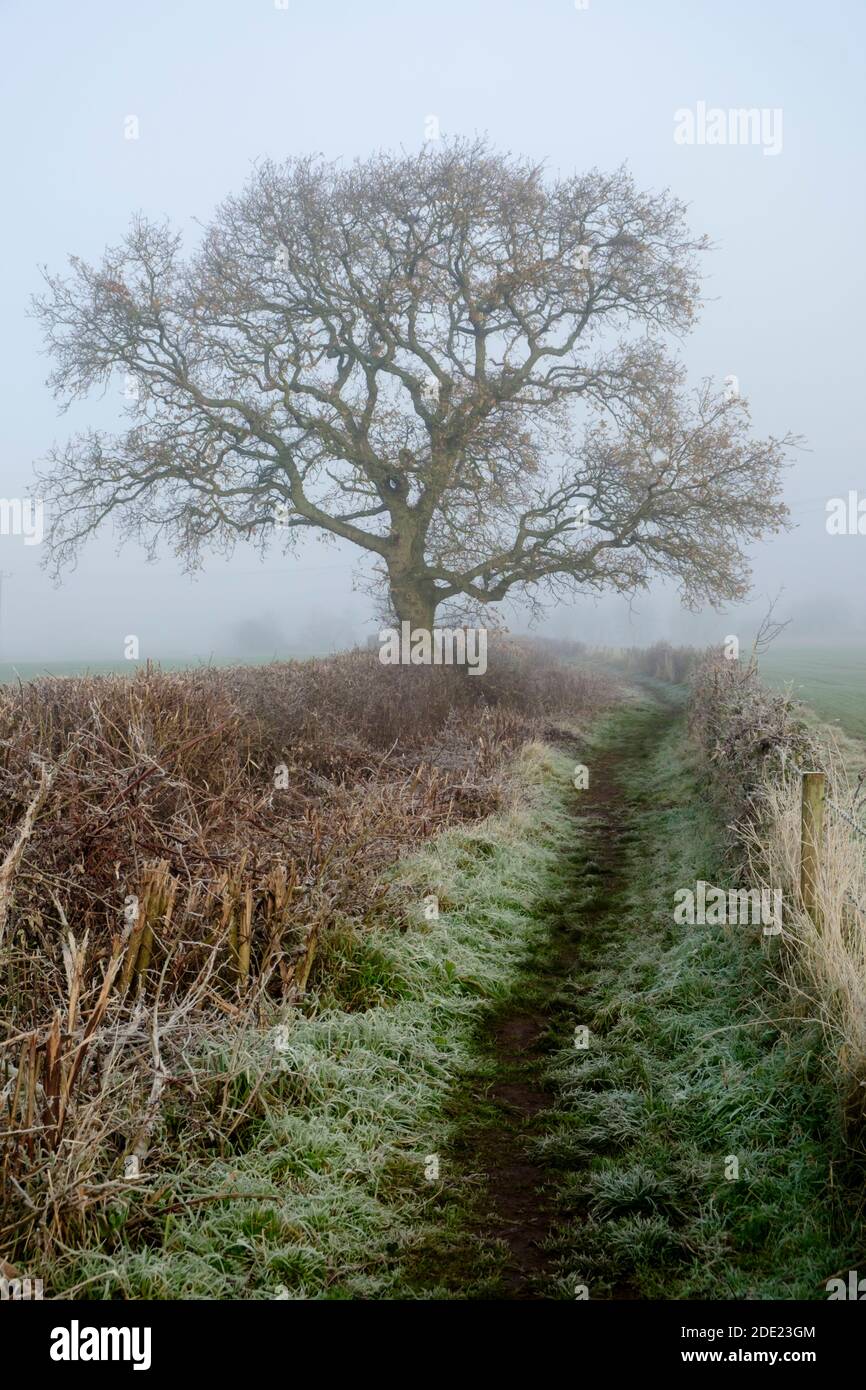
<point>811,839</point>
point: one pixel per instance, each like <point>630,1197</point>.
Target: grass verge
<point>697,1068</point>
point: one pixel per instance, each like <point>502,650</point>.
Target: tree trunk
<point>412,604</point>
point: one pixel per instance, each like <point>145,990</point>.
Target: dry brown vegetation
<point>757,742</point>
<point>173,848</point>
<point>745,729</point>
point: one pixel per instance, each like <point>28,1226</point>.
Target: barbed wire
<point>847,817</point>
<point>828,800</point>
<point>788,762</point>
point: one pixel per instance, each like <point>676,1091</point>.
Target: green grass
<point>693,1059</point>
<point>830,679</point>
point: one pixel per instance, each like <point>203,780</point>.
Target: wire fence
<point>846,816</point>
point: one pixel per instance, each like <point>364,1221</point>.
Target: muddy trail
<point>501,1113</point>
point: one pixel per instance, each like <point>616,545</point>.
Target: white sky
<point>217,84</point>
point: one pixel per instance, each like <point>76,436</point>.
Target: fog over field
<point>576,87</point>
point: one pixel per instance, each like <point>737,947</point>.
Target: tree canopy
<point>449,359</point>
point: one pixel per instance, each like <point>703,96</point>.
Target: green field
<point>11,671</point>
<point>832,680</point>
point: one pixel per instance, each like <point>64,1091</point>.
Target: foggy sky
<point>218,84</point>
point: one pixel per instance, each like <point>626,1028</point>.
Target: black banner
<point>62,1339</point>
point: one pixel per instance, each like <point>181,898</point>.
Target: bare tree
<point>445,358</point>
<point>769,629</point>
